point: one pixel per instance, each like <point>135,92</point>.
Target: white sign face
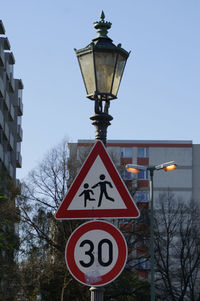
<point>96,253</point>
<point>97,191</point>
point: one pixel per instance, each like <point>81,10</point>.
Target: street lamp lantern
<point>102,65</point>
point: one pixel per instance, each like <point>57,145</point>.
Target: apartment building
<point>11,109</point>
<point>183,182</point>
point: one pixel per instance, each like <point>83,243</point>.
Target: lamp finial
<point>102,26</point>
<point>102,15</point>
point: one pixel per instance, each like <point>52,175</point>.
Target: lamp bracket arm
<point>106,106</point>
<point>98,106</point>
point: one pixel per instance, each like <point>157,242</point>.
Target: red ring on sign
<point>122,251</point>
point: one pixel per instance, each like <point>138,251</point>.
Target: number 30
<point>99,249</point>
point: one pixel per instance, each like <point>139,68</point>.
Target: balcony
<point>6,43</point>
<point>18,160</point>
<point>11,113</point>
<point>1,120</point>
<point>7,68</point>
<point>6,161</point>
<point>11,83</point>
<point>1,152</point>
<point>11,171</point>
<point>18,185</point>
<point>19,133</point>
<point>1,88</point>
<point>2,29</point>
<point>6,131</point>
<point>7,101</point>
<point>20,107</point>
<point>11,141</point>
<point>2,56</point>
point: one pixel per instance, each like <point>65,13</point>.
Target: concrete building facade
<point>11,109</point>
<point>183,181</point>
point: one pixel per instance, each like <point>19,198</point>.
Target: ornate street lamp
<point>102,65</point>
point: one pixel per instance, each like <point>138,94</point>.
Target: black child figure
<point>103,189</point>
<point>86,192</point>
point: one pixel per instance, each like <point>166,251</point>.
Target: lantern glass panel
<point>87,68</point>
<point>121,62</point>
<point>105,65</point>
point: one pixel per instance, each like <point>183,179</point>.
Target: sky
<point>159,96</point>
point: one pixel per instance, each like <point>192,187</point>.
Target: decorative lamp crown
<point>102,26</point>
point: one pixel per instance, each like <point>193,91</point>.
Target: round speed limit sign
<point>96,253</point>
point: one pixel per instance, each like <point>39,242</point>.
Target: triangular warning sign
<point>98,191</point>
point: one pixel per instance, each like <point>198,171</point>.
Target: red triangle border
<point>130,212</point>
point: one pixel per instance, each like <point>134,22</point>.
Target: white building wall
<point>180,181</point>
<point>182,155</point>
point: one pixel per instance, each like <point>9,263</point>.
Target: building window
<point>142,196</point>
<point>127,175</point>
<point>126,152</point>
<point>142,264</point>
<point>143,175</point>
<point>143,152</point>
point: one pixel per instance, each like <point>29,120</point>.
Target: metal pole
<point>97,293</point>
<point>152,237</point>
<point>101,120</point>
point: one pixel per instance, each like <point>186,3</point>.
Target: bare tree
<point>44,237</point>
<point>177,242</point>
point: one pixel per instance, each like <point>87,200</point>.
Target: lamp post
<point>133,168</point>
<point>102,65</point>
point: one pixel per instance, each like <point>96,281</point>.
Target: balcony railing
<point>11,83</point>
<point>11,112</point>
<point>2,56</point>
<point>18,160</point>
<point>7,101</point>
<point>11,141</point>
<point>20,107</point>
<point>1,152</point>
<point>19,133</point>
<point>1,88</point>
<point>6,130</point>
<point>1,120</point>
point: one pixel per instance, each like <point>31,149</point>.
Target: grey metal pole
<point>97,293</point>
<point>152,237</point>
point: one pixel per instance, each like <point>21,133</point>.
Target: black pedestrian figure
<point>103,189</point>
<point>86,192</point>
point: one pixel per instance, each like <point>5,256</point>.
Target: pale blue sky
<point>159,97</point>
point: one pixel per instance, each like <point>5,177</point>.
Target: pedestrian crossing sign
<point>98,191</point>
